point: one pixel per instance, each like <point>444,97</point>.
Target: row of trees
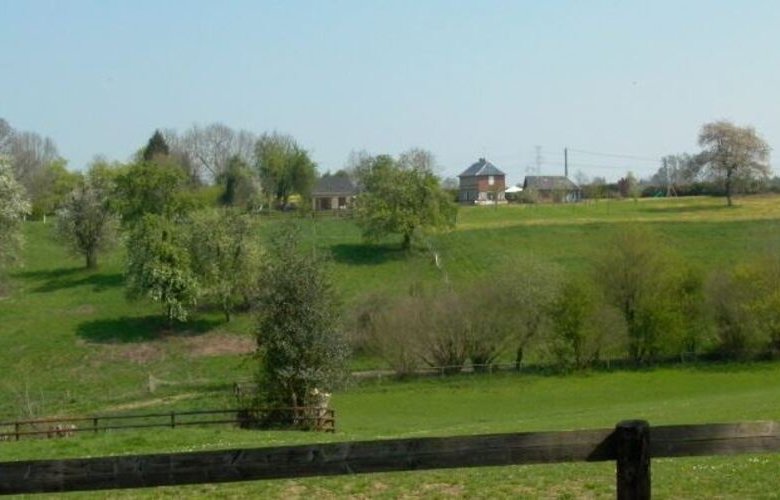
<point>178,251</point>
<point>639,301</point>
<point>36,165</point>
<point>732,158</point>
<point>239,161</point>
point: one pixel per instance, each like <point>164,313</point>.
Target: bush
<point>529,195</point>
<point>382,326</point>
<point>300,340</point>
<point>745,305</point>
<point>575,342</point>
<point>640,277</point>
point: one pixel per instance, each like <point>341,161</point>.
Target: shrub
<point>575,343</point>
<point>382,327</point>
<point>300,340</point>
<point>638,275</point>
<point>745,305</point>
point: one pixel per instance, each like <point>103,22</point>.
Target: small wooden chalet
<point>482,183</point>
<point>333,192</point>
<point>552,188</point>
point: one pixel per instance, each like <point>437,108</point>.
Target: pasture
<point>70,343</point>
<point>469,404</point>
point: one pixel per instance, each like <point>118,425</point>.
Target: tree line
<point>638,301</point>
<point>732,159</point>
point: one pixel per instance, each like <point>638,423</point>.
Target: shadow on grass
<point>140,329</point>
<point>686,209</point>
<point>59,279</point>
<point>366,255</point>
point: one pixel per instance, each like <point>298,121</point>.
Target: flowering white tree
<point>85,222</point>
<point>13,207</point>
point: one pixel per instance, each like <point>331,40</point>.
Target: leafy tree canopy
<point>299,335</point>
<point>284,167</point>
<point>159,266</point>
<point>157,146</point>
<point>85,221</point>
<point>401,197</point>
<point>733,153</point>
<point>226,257</point>
<point>241,187</point>
<point>159,187</point>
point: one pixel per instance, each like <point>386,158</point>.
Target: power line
<point>598,165</point>
<point>588,165</point>
<point>614,155</point>
<point>555,153</point>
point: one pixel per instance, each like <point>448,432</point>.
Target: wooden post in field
<point>633,460</point>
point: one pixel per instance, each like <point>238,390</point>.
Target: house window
<point>491,180</point>
<point>342,202</point>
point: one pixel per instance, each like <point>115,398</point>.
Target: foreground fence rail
<point>631,444</point>
<point>314,418</point>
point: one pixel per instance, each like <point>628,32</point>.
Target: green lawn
<point>470,404</point>
<point>71,344</point>
<point>99,349</point>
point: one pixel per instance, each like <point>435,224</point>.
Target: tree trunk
<point>728,187</point>
<point>92,260</point>
<point>407,243</point>
<point>169,316</point>
<point>518,358</point>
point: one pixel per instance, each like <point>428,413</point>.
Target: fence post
<point>95,425</point>
<point>173,420</point>
<point>16,430</point>
<point>633,460</point>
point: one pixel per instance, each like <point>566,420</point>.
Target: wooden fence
<point>631,444</point>
<point>311,418</point>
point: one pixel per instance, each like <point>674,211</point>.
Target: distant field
<point>71,344</point>
<point>99,349</point>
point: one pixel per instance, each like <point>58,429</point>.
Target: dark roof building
<point>482,183</point>
<point>557,188</point>
<point>334,185</point>
<point>481,167</point>
<point>333,192</point>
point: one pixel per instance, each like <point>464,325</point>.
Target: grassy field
<point>71,344</point>
<point>501,403</point>
<point>100,349</point>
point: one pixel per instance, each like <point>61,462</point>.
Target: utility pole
<point>539,159</point>
<point>670,191</point>
<point>668,180</point>
<point>566,162</point>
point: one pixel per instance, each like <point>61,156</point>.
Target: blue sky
<point>462,79</point>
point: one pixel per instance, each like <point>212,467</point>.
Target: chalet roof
<point>481,167</point>
<point>549,183</point>
<point>335,185</point>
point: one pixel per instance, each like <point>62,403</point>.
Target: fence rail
<point>631,444</point>
<point>309,417</point>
